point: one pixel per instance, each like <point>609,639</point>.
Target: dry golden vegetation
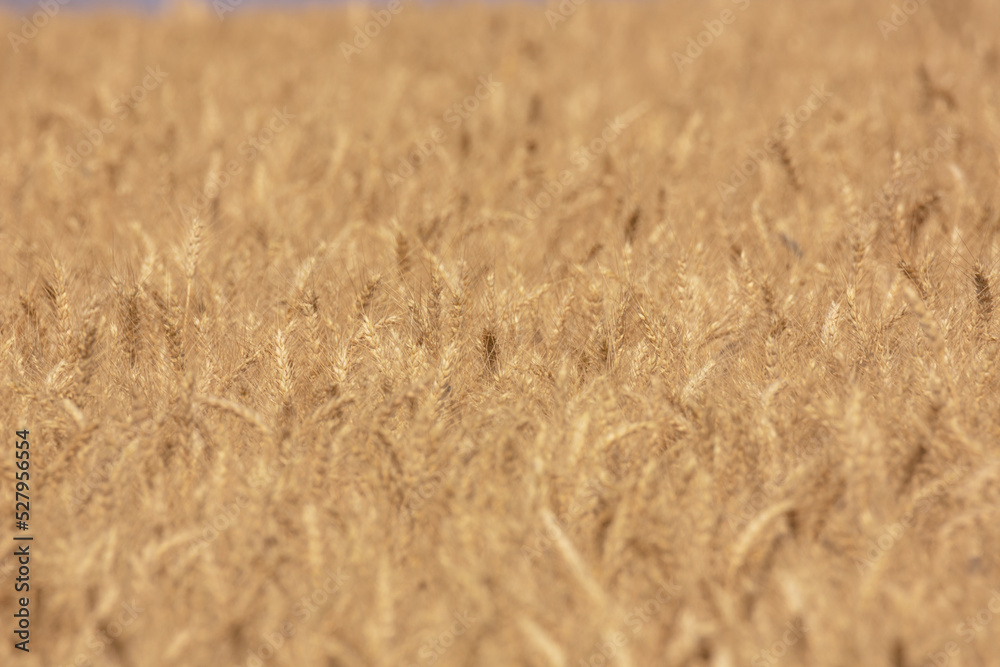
<point>628,370</point>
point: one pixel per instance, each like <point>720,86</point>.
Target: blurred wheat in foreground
<point>606,363</point>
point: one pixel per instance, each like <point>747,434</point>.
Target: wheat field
<point>543,335</point>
